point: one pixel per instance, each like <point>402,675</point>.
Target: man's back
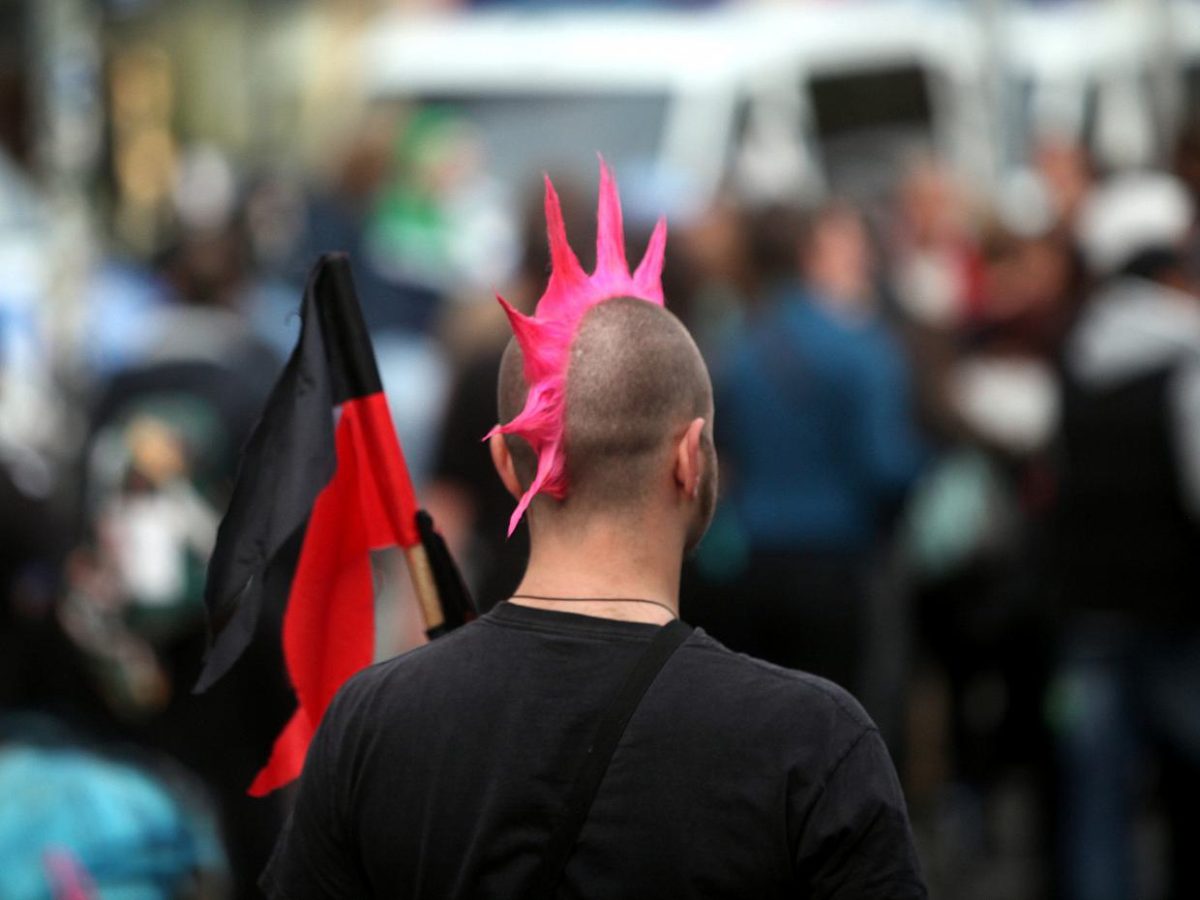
<point>442,772</point>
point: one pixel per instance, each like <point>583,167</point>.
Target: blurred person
<point>272,217</point>
<point>1068,171</point>
<point>934,263</point>
<point>1031,285</point>
<point>1128,675</point>
<point>158,464</point>
<point>192,297</point>
<point>819,445</point>
<point>336,216</point>
<point>448,771</point>
<point>721,279</point>
<point>933,252</point>
<point>975,538</point>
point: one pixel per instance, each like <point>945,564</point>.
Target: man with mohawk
<point>579,740</point>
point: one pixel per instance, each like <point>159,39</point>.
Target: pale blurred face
<point>932,206</point>
<point>1064,168</point>
<point>839,260</point>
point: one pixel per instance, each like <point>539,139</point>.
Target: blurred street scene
<point>943,261</point>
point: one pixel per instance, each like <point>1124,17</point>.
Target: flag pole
<point>425,587</point>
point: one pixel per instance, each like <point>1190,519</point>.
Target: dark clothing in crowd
<point>815,433</point>
<point>1129,541</point>
<point>1126,693</point>
<point>441,773</point>
<point>463,460</point>
<point>1128,674</point>
<point>799,610</point>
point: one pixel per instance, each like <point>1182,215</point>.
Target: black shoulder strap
<point>600,753</point>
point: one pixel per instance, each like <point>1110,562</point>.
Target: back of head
<point>634,381</point>
<point>553,354</point>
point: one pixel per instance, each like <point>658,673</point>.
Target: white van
<point>800,99</point>
<point>778,100</point>
<point>1094,72</point>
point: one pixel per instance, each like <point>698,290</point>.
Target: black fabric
<point>453,595</point>
<point>441,773</point>
<point>352,366</point>
<point>1126,541</point>
<point>599,754</point>
<point>287,461</point>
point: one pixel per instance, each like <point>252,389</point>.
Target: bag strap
<point>600,752</point>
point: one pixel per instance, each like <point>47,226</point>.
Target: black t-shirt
<point>440,774</point>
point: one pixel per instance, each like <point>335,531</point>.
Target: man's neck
<point>600,569</point>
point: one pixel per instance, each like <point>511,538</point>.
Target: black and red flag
<point>312,500</point>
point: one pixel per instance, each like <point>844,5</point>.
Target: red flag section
<point>328,627</point>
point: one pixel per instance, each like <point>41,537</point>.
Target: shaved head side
<point>635,378</point>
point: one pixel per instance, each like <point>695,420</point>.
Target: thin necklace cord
<point>595,600</point>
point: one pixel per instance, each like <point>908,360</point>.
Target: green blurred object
<point>959,514</point>
<point>409,228</point>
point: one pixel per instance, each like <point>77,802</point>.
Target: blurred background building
<point>958,414</point>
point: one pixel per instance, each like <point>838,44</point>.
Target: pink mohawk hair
<point>545,337</point>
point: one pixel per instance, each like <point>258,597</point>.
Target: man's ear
<point>689,460</point>
<point>503,462</point>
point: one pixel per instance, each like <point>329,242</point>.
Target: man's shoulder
<point>713,688</point>
<point>382,678</point>
<point>752,675</point>
<point>754,686</point>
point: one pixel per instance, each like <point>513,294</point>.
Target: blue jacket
<point>815,426</point>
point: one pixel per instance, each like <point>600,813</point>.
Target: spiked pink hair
<point>545,337</point>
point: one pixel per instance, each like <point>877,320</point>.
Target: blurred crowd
<point>960,462</point>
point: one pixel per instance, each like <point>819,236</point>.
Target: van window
<point>878,98</point>
<point>868,121</point>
